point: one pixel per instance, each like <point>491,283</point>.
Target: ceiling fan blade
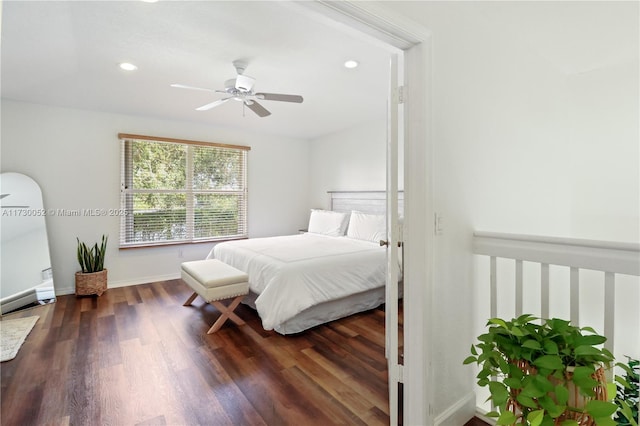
<point>257,108</point>
<point>279,97</point>
<point>183,86</point>
<point>212,104</point>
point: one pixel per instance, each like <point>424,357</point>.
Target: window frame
<point>126,219</point>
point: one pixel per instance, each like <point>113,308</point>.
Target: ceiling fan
<point>240,88</point>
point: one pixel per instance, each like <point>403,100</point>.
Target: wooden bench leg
<point>190,299</point>
<point>227,313</point>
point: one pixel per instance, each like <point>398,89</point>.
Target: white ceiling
<point>66,53</point>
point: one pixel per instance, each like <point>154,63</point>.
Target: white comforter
<point>293,273</point>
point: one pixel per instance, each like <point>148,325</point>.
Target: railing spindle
<point>609,308</point>
<point>574,296</point>
<point>519,291</point>
<point>544,291</point>
<point>493,283</point>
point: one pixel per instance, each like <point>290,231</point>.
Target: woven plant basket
<point>575,398</point>
<point>91,283</point>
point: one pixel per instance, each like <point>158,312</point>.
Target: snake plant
<point>91,259</point>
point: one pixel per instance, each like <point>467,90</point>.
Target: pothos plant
<point>537,365</point>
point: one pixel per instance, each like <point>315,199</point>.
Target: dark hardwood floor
<point>136,356</point>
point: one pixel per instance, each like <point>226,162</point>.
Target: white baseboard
<point>63,291</point>
<point>143,280</point>
<point>459,413</point>
<point>122,283</point>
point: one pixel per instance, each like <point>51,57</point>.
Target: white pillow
<point>365,226</point>
<point>328,222</point>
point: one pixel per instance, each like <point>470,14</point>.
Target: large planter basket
<point>91,283</point>
<point>575,398</point>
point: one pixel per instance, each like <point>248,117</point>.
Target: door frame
<point>395,137</point>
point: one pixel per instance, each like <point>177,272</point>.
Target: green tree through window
<point>181,191</point>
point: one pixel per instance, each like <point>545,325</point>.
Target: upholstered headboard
<point>363,201</point>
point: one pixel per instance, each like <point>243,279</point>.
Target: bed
<point>335,269</point>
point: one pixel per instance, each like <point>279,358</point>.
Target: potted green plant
<point>628,395</point>
<point>544,372</point>
<point>92,279</point>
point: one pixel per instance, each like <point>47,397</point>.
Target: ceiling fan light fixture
<point>351,64</point>
<point>244,83</point>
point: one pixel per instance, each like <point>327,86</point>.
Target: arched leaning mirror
<point>25,263</point>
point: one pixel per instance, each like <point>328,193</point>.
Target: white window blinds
<point>176,191</point>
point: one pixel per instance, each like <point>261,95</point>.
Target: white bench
<point>215,281</point>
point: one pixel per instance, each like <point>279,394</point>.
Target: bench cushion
<point>214,280</point>
<point>214,273</point>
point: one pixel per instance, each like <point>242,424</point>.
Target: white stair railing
<point>614,261</point>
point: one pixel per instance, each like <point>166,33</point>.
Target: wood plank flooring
<point>136,356</point>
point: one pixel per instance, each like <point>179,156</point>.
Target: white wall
<point>521,147</point>
<point>351,160</point>
<point>603,120</point>
<point>75,157</point>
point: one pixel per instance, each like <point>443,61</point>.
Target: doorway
<point>379,26</point>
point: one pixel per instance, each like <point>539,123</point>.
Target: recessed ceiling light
<point>351,64</point>
<point>149,1</point>
<point>128,67</point>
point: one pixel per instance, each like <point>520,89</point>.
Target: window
<point>177,191</point>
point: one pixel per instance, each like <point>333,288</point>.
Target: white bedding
<point>293,273</point>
